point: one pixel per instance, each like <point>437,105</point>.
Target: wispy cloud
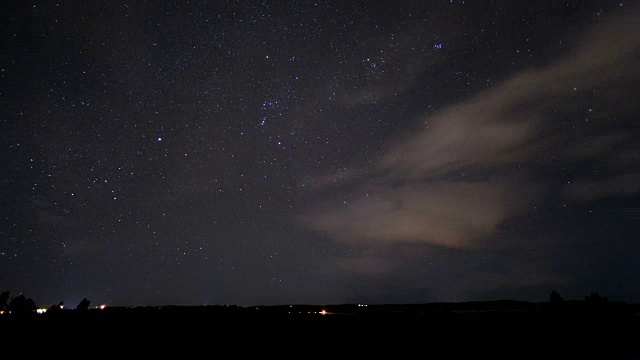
<point>456,181</point>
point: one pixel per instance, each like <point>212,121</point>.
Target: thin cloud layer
<point>454,182</point>
<point>448,213</point>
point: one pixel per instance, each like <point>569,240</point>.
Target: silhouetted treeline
<point>577,326</point>
<point>592,305</point>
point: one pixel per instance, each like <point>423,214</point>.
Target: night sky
<point>312,152</point>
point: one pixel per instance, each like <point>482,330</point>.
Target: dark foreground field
<point>505,329</point>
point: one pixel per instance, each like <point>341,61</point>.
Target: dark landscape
<point>590,326</point>
<point>557,329</point>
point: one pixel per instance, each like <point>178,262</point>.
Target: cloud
<point>448,213</point>
<point>454,182</point>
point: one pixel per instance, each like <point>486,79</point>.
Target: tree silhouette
<point>554,297</point>
<point>55,308</point>
<point>83,305</point>
<point>22,306</point>
<point>595,298</point>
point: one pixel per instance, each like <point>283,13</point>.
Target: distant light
<point>41,311</point>
<point>323,312</point>
<point>159,139</point>
<point>101,307</point>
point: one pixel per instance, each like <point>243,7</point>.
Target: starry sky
<point>319,152</point>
